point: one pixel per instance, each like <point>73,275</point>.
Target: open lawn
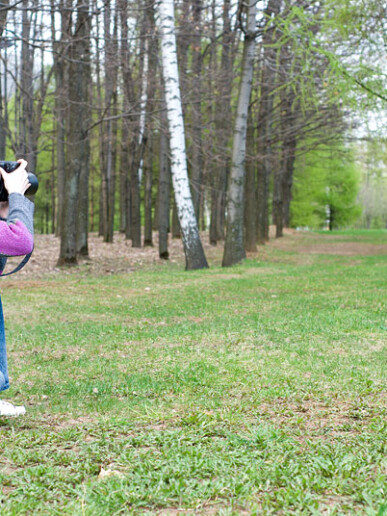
<point>259,389</point>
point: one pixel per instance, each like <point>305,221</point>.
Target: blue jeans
<point>4,380</point>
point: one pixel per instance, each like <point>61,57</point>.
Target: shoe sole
<point>13,415</point>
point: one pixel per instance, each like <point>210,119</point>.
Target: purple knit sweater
<point>17,232</point>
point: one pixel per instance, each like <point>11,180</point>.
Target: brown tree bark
<point>234,250</point>
<point>31,98</point>
<point>176,233</point>
<point>26,84</point>
<point>250,190</point>
<point>148,177</point>
<point>290,157</point>
<point>278,214</point>
<point>124,181</point>
<point>78,145</point>
<point>152,47</point>
<point>223,131</point>
<point>196,107</point>
<point>131,145</point>
<point>60,57</point>
<point>265,120</point>
<point>3,96</point>
<point>109,126</point>
<point>164,187</point>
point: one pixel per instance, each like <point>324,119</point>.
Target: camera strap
<point>20,266</point>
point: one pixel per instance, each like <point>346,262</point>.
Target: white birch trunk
<point>194,254</point>
<point>143,106</point>
<point>234,250</point>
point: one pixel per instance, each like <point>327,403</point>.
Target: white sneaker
<point>7,409</point>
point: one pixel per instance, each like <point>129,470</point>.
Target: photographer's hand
<point>4,209</point>
<point>17,181</point>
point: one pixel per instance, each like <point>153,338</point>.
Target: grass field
<point>259,389</point>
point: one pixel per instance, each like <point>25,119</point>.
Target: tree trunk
<point>283,176</point>
<point>278,213</point>
<point>78,146</point>
<point>331,218</point>
<point>222,132</point>
<point>3,97</point>
<point>250,193</point>
<point>148,128</point>
<point>125,218</point>
<point>53,191</point>
<point>196,107</point>
<point>84,114</point>
<point>26,84</point>
<point>3,16</point>
<point>164,188</point>
<point>265,121</point>
<point>176,233</point>
<point>135,200</point>
<point>194,254</point>
<point>288,179</point>
<point>33,98</point>
<point>134,150</point>
<point>234,250</point>
<point>123,174</point>
<point>60,56</point>
<point>109,127</point>
<point>148,176</point>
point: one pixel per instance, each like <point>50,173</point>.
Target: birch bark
<point>194,254</point>
<point>143,108</point>
<point>234,250</point>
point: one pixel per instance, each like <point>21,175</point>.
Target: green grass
<point>372,236</point>
<point>259,389</point>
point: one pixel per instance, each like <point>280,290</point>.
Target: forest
<point>196,118</point>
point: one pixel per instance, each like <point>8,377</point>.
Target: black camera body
<point>9,167</point>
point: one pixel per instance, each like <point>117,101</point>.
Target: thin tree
<point>194,254</point>
<point>109,127</point>
<point>164,184</point>
<point>196,107</point>
<point>148,135</point>
<point>234,250</point>
<point>222,130</point>
<point>3,105</point>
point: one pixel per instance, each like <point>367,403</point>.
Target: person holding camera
<point>16,239</point>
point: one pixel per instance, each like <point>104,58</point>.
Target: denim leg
<point>4,380</point>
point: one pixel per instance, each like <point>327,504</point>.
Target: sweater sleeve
<point>17,232</point>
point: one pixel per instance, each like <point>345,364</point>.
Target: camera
<point>9,167</point>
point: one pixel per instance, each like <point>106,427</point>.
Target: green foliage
<point>372,158</point>
<point>306,207</point>
<point>326,185</point>
<point>342,187</point>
